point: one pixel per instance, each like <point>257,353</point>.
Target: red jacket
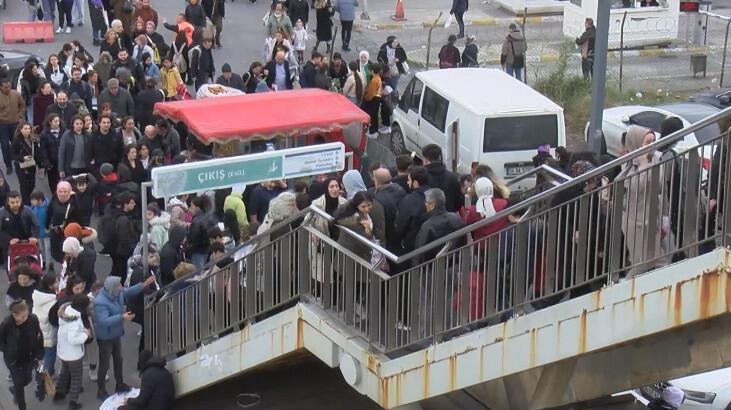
<point>470,216</point>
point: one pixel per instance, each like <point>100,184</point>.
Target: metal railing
<point>570,239</point>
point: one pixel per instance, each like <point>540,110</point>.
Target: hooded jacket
<point>42,304</point>
<point>514,45</point>
<point>411,215</point>
<point>157,391</point>
<point>179,213</point>
<point>447,181</point>
<point>71,334</point>
<point>172,254</point>
<point>159,228</point>
<point>440,224</point>
<point>389,196</point>
<point>586,41</point>
<point>109,307</point>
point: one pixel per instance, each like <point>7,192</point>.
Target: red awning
<point>264,115</point>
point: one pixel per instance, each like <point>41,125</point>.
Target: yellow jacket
<point>169,80</point>
<point>374,88</point>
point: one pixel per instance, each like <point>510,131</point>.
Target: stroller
<point>28,253</point>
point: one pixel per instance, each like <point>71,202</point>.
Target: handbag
<point>449,21</point>
<point>48,384</point>
<point>29,163</point>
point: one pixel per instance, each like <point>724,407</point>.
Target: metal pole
<point>599,76</point>
<point>525,60</point>
<point>705,32</point>
<point>428,41</point>
<point>723,60</point>
<point>621,51</point>
<point>364,13</point>
<point>145,239</point>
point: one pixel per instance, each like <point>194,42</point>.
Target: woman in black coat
<point>157,391</point>
<point>27,155</point>
<point>133,164</point>
<point>299,10</point>
<point>50,142</point>
<point>459,7</point>
<point>324,31</point>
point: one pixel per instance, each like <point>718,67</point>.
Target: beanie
<point>74,230</point>
<point>225,68</point>
<point>72,246</point>
<point>106,168</point>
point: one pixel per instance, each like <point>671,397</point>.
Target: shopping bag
<point>449,21</point>
<point>48,384</point>
<point>183,93</point>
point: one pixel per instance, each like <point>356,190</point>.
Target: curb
<point>479,22</point>
<point>658,52</point>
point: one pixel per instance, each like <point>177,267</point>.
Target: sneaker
<point>73,405</point>
<point>68,30</point>
<point>384,129</point>
<point>93,375</point>
<point>102,394</point>
<point>59,30</point>
<point>122,388</point>
<point>372,135</point>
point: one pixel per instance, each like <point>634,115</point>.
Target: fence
<point>569,240</point>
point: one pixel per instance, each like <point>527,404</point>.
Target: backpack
<point>179,59</point>
<point>190,52</point>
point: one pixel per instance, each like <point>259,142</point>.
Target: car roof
<point>485,91</point>
<point>704,382</point>
<point>691,111</point>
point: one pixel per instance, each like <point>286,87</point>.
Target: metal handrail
<point>596,172</point>
<point>535,171</point>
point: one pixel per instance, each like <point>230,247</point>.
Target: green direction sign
<point>246,169</point>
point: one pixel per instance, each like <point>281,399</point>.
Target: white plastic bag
<point>448,23</point>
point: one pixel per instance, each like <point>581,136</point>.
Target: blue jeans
<point>49,359</point>
<point>393,80</point>
<point>77,12</point>
<point>515,72</point>
<point>199,259</point>
<point>6,134</point>
<point>49,10</point>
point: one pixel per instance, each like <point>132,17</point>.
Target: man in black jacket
<point>145,102</point>
<point>389,195</point>
<point>134,67</point>
<point>108,145</point>
<point>202,68</point>
<point>17,222</point>
<point>309,71</point>
<point>440,177</point>
<point>299,10</point>
<point>172,254</point>
<point>586,43</point>
<point>440,223</point>
<point>126,234</point>
<point>79,87</point>
<point>62,107</point>
<point>198,243</point>
<point>411,210</point>
<point>157,390</point>
<point>21,342</point>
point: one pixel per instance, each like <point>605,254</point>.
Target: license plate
<point>512,171</point>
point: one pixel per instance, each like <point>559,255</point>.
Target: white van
<point>477,115</point>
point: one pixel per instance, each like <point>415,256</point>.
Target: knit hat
<point>74,230</point>
<point>106,168</point>
<point>72,246</point>
<point>225,68</point>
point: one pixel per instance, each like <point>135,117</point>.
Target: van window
<point>405,100</point>
<point>435,109</point>
<point>416,95</point>
<point>520,133</point>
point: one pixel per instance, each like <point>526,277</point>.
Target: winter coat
<point>66,152</point>
<point>195,15</point>
<point>71,334</point>
<point>122,104</point>
<point>108,310</point>
<point>346,9</point>
<point>22,226</point>
<point>586,41</point>
<point>66,113</point>
<point>42,304</point>
<point>172,254</point>
<point>198,235</point>
<point>214,9</point>
<point>514,45</point>
<point>324,28</point>
<point>107,148</point>
<point>157,390</point>
<point>274,24</point>
<point>449,56</point>
<point>411,215</point>
<point>469,56</point>
<point>202,66</point>
<point>83,265</point>
<point>41,214</point>
<point>236,204</point>
<point>40,108</point>
<point>146,14</point>
<point>299,10</point>
<point>440,224</point>
<point>126,235</point>
<point>179,213</point>
<point>22,344</point>
<point>320,223</point>
<point>272,77</point>
<point>57,221</point>
<point>390,196</point>
<point>234,82</point>
<point>50,143</point>
<point>350,243</point>
<point>159,228</point>
<point>400,55</point>
<point>459,6</point>
<point>447,181</point>
<point>144,105</point>
<point>471,216</point>
<point>169,80</point>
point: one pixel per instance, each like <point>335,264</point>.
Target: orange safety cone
<point>399,15</point>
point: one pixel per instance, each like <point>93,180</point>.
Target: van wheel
<point>398,145</point>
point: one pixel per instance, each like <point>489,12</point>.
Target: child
<point>70,349</point>
<point>299,40</point>
<point>84,187</point>
<point>107,185</point>
<point>22,287</point>
<point>39,206</point>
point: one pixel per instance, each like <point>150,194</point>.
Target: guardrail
<point>569,239</point>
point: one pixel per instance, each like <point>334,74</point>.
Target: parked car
<point>694,112</point>
<point>709,391</point>
<point>617,120</point>
<point>719,98</point>
<point>12,62</point>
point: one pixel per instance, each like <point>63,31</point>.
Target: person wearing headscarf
<point>329,202</point>
<point>80,260</point>
<point>365,66</point>
<point>642,212</point>
<point>485,207</point>
<point>353,183</point>
<point>110,315</point>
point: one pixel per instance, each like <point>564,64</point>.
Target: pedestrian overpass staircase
<point>578,299</point>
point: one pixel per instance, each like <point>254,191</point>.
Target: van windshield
<point>520,133</point>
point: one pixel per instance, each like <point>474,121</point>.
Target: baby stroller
<point>28,253</point>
